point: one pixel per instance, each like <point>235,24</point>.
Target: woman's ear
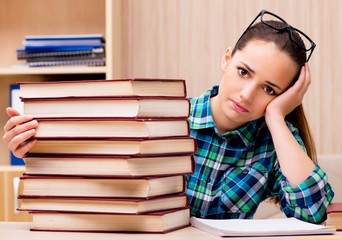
<point>226,58</point>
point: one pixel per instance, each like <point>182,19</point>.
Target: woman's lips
<point>239,107</point>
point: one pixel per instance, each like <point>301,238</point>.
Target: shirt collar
<point>200,112</point>
<point>201,118</point>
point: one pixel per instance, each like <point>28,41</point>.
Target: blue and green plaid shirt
<point>236,171</point>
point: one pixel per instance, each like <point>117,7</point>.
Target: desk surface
<point>20,230</point>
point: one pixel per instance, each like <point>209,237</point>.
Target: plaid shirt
<point>236,171</point>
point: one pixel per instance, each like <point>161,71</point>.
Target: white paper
<point>260,227</point>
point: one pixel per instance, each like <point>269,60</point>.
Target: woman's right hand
<point>18,132</point>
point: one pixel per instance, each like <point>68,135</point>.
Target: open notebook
<point>260,227</point>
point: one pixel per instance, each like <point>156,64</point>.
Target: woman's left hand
<point>292,97</point>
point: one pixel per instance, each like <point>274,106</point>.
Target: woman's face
<point>252,78</point>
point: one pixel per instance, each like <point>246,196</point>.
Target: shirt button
<point>245,171</point>
<point>220,141</point>
<point>208,180</point>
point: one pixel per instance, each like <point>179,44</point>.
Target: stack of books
<point>63,50</point>
<point>110,155</point>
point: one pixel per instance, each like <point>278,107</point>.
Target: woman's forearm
<point>295,164</point>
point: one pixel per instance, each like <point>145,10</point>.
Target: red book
<point>104,205</point>
<point>104,88</point>
<point>116,146</point>
<point>334,215</point>
<point>106,107</point>
<point>104,128</point>
<point>110,166</point>
<point>156,222</point>
<point>55,186</point>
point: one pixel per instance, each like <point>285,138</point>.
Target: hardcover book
<point>104,205</point>
<point>100,128</point>
<point>156,222</point>
<point>116,146</point>
<point>104,88</point>
<point>107,107</point>
<point>111,166</point>
<point>101,187</point>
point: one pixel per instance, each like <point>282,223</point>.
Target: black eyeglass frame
<point>287,27</point>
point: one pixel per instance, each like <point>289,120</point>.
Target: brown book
<point>334,215</point>
<point>101,187</point>
<point>104,88</point>
<point>156,222</point>
<point>131,128</point>
<point>104,205</point>
<point>111,166</point>
<point>91,107</point>
<point>115,146</point>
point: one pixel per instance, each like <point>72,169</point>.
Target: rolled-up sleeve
<point>309,200</point>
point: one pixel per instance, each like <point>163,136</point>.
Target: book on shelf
<point>59,37</point>
<point>104,88</point>
<point>30,56</point>
<point>104,205</point>
<point>61,42</point>
<point>111,166</point>
<point>155,222</point>
<point>130,128</point>
<point>92,57</point>
<point>259,227</point>
<point>116,146</point>
<point>101,187</point>
<point>66,47</point>
<point>334,215</point>
<point>84,62</point>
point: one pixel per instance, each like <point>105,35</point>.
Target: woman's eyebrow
<point>248,67</point>
<point>274,85</point>
<point>253,72</point>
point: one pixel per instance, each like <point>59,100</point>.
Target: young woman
<point>253,139</point>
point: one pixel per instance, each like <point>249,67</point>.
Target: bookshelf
<point>42,17</point>
<point>9,180</point>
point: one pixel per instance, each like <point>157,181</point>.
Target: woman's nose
<point>248,92</point>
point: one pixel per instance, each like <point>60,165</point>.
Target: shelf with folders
<point>55,17</point>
